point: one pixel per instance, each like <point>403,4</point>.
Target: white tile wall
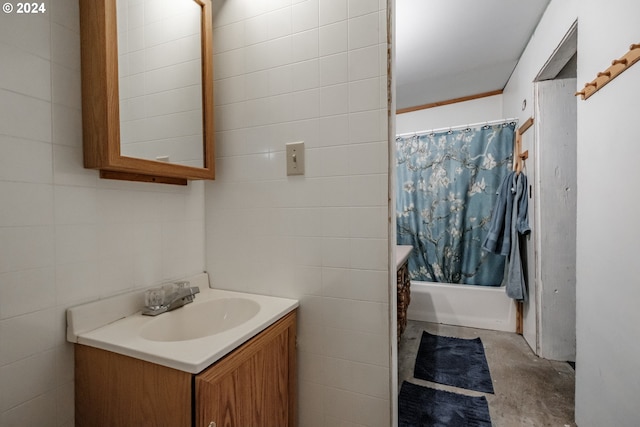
<point>65,235</point>
<point>321,238</point>
<point>332,11</point>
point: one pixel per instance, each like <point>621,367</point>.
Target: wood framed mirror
<point>124,113</point>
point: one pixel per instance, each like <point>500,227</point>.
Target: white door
<point>555,289</point>
<point>549,315</point>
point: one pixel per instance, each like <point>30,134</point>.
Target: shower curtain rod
<point>472,125</point>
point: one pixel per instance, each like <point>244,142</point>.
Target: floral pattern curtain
<point>447,188</point>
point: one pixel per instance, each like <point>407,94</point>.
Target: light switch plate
<point>295,158</point>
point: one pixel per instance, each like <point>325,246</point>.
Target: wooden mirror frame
<point>101,105</point>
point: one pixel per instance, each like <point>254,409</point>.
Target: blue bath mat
<point>453,361</point>
<point>427,407</point>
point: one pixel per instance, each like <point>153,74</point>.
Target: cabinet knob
<point>212,424</point>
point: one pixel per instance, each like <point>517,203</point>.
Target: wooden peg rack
<point>618,66</point>
<point>519,156</point>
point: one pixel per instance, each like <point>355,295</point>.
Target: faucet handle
<point>170,289</point>
<point>173,290</point>
<point>186,287</point>
<point>154,298</point>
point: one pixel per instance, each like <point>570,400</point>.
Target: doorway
<point>552,145</point>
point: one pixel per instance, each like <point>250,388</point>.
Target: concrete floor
<point>529,391</point>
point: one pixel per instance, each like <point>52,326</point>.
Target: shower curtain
<point>447,184</point>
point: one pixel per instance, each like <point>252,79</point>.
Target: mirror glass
<point>160,80</point>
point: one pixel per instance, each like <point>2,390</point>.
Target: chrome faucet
<point>168,297</point>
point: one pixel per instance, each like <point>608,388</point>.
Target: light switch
<point>295,158</point>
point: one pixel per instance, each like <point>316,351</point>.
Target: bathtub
<point>462,305</point>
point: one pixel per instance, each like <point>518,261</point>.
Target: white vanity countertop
<point>123,335</point>
<point>402,253</point>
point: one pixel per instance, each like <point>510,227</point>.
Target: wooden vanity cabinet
<point>255,385</point>
<point>116,390</point>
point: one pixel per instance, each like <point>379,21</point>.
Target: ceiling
<point>448,49</point>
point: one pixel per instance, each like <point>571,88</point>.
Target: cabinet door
<point>254,385</point>
<point>113,390</point>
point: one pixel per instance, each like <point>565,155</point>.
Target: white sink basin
<point>195,321</point>
<point>189,338</point>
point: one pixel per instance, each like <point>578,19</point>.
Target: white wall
<point>312,71</point>
<point>607,381</point>
<point>65,235</point>
<point>608,323</point>
<point>461,113</point>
